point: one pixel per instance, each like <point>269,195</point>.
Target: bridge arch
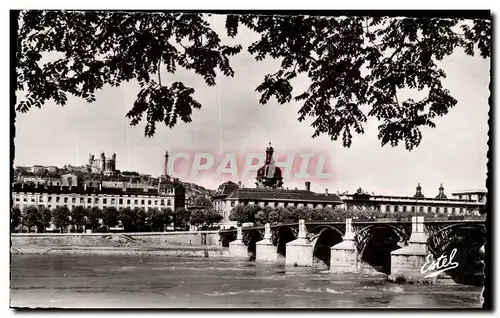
<point>227,237</point>
<point>250,238</point>
<point>285,234</point>
<point>326,236</point>
<point>466,239</point>
<point>375,243</point>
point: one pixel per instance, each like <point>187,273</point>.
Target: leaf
<point>355,65</point>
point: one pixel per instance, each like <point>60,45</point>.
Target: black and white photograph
<point>250,160</point>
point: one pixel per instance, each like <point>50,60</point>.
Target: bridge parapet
<point>267,231</point>
<point>418,235</point>
<point>349,231</point>
<point>358,223</point>
<point>302,230</point>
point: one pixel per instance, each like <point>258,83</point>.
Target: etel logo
<point>440,265</point>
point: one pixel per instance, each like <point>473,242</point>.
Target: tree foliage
<point>245,213</point>
<point>134,220</point>
<point>158,218</point>
<point>356,65</point>
<point>30,217</point>
<point>282,215</point>
<point>110,216</point>
<point>205,217</point>
<point>78,215</point>
<point>44,219</point>
<point>181,218</point>
<point>15,218</point>
<point>129,219</point>
<point>168,215</point>
<point>60,217</point>
<point>92,218</point>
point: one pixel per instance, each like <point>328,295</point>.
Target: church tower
<point>269,175</point>
<point>103,162</point>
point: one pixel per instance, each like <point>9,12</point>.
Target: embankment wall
<point>163,239</point>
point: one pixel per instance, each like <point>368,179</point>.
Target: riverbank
<point>185,251</point>
<point>196,244</point>
<point>198,238</point>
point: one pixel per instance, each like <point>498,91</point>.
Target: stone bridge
<point>398,248</point>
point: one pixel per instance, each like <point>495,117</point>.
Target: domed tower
<point>269,175</point>
<point>441,194</point>
<point>418,194</point>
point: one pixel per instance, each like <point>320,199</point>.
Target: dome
<point>418,194</point>
<point>269,175</point>
<point>267,171</point>
<point>441,194</point>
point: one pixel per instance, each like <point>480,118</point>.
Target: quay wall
<point>34,241</point>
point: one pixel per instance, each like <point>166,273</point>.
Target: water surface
<point>173,282</point>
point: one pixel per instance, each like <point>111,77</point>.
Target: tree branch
<point>159,75</point>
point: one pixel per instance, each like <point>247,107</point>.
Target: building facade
<point>460,204</point>
<point>24,195</point>
<point>50,197</point>
<point>101,186</point>
<point>269,192</point>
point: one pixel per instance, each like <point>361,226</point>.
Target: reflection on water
<point>166,282</point>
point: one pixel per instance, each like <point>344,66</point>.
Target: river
<point>171,282</point>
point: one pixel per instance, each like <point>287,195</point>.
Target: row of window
<point>69,207</point>
<point>387,208</point>
<point>422,210</point>
<point>283,204</point>
<point>96,200</point>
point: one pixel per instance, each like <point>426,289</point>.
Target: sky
<point>232,120</point>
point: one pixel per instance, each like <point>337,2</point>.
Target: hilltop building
<point>101,186</point>
<point>102,164</point>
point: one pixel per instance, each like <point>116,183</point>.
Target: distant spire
<point>269,153</point>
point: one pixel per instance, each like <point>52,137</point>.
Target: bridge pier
<point>407,261</point>
<point>237,248</point>
<point>343,256</point>
<point>265,249</point>
<point>300,251</point>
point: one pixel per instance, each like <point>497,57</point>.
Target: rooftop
<point>17,187</point>
<point>252,194</point>
<point>226,189</point>
<point>473,191</point>
<point>394,198</point>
